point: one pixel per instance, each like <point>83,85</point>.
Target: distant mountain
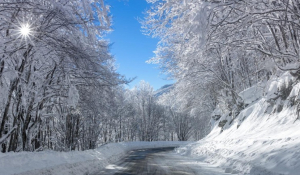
<point>164,89</point>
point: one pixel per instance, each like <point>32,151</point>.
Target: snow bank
<point>75,162</point>
<point>264,139</point>
<point>252,94</point>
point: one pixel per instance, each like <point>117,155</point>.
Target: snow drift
<point>264,139</point>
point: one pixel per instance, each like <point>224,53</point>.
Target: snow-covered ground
<point>76,162</point>
<point>264,139</point>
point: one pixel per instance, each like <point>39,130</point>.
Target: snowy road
<point>160,161</point>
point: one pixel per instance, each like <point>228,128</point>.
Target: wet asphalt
<point>160,161</point>
<point>139,162</point>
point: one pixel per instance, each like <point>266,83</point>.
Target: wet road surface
<point>159,161</point>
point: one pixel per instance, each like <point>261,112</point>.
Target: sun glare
<point>25,30</point>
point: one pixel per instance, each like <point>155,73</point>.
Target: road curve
<point>159,161</point>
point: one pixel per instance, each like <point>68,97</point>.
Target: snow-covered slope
<point>76,162</point>
<point>164,89</point>
<point>264,139</point>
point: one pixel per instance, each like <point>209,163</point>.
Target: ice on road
<point>160,161</point>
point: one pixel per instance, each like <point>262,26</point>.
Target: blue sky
<point>131,48</point>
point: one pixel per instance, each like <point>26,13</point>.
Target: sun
<point>25,30</point>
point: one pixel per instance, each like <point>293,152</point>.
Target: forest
<point>60,89</point>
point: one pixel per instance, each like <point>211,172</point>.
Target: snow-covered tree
<point>216,49</point>
<point>51,54</point>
